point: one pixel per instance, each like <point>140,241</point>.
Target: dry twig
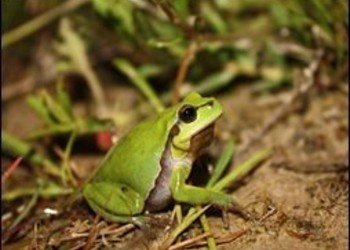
<point>182,72</point>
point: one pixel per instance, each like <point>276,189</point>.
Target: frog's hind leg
<point>136,219</point>
<point>114,202</point>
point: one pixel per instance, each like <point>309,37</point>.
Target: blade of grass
<point>79,126</point>
<point>140,82</point>
<point>217,80</point>
<point>26,210</point>
<point>212,15</point>
<point>38,105</point>
<point>187,221</point>
<point>209,84</point>
<point>50,191</point>
<point>222,163</point>
<point>52,130</point>
<point>56,110</point>
<point>242,169</point>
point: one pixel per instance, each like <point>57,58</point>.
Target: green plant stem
<point>39,22</point>
<point>140,82</point>
<point>16,147</point>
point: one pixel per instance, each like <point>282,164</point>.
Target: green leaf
<point>120,10</point>
<point>222,163</point>
<point>140,82</point>
<point>242,169</point>
<point>56,110</point>
<point>37,103</point>
<point>48,191</point>
<point>213,16</point>
<point>216,80</point>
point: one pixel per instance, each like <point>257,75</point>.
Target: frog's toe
<point>140,221</point>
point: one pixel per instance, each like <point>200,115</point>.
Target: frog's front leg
<point>114,201</point>
<point>193,195</point>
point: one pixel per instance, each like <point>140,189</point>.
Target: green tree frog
<point>147,169</point>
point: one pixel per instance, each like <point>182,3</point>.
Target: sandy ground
<point>299,196</point>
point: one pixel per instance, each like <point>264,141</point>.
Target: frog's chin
<point>201,140</point>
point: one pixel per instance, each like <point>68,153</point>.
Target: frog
<point>147,170</point>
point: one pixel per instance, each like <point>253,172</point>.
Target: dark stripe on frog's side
<point>160,195</point>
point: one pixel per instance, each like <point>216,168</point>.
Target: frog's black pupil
<point>188,114</point>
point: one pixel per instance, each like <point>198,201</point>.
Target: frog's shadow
<point>200,173</point>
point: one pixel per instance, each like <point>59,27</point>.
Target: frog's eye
<point>188,113</point>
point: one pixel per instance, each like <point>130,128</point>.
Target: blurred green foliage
<point>57,113</point>
<point>244,41</point>
<point>251,34</point>
<point>262,39</point>
<point>9,18</point>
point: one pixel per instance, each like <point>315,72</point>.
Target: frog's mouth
<point>201,140</point>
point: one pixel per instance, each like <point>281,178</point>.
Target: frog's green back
<point>135,159</point>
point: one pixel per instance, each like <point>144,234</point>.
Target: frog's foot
<point>228,203</point>
<point>244,213</point>
<point>139,221</point>
<point>107,215</point>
